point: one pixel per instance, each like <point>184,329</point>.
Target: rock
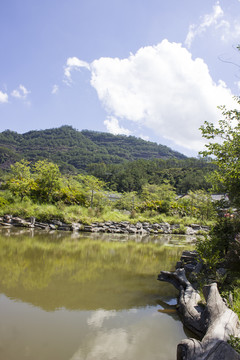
<point>7,218</point>
<point>52,227</point>
<point>190,231</point>
<point>56,222</point>
<point>195,227</point>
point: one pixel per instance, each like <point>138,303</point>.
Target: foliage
<point>234,341</point>
<point>20,181</point>
<point>197,203</point>
<point>152,192</point>
<point>126,163</point>
<point>157,197</point>
<point>182,174</point>
<point>3,201</point>
<point>47,181</point>
<point>74,150</point>
<point>209,253</point>
<point>127,201</point>
<point>94,188</point>
<point>224,233</point>
<point>43,183</point>
<point>225,151</point>
<point>180,230</point>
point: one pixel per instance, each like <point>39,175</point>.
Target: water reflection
<point>54,271</point>
<point>75,297</point>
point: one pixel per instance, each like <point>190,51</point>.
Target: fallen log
<point>213,323</point>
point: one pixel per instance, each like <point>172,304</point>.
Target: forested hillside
<point>75,150</point>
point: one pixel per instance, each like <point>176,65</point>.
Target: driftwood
<point>213,323</point>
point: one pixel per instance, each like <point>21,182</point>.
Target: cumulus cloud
<point>208,20</point>
<point>73,63</point>
<point>3,97</point>
<point>55,89</point>
<point>229,30</point>
<point>162,88</point>
<point>21,92</point>
<point>113,126</point>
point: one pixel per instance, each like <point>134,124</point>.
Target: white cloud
<point>21,92</point>
<point>162,88</point>
<point>73,63</point>
<point>230,31</point>
<point>55,89</point>
<point>208,20</point>
<point>227,29</point>
<point>3,97</point>
<point>113,126</point>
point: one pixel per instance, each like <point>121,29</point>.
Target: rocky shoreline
<point>122,227</point>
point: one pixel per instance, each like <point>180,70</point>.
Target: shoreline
<point>122,227</point>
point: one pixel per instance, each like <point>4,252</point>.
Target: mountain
<point>74,150</point>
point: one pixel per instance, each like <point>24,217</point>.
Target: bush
<point>224,233</point>
<point>209,254</point>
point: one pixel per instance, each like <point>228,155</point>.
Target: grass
<point>75,213</point>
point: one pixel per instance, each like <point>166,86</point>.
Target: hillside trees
<point>183,175</point>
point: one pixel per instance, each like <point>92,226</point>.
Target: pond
<point>66,296</point>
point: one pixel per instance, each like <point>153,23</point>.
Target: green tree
<point>128,201</point>
<point>47,181</point>
<point>157,197</point>
<point>20,181</point>
<point>152,192</point>
<point>198,204</point>
<point>93,187</point>
<point>224,146</point>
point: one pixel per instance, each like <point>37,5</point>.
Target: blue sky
<point>149,68</point>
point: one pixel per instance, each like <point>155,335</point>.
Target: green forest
<point>74,150</point>
<point>89,174</point>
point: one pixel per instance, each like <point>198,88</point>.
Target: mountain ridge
<point>74,150</point>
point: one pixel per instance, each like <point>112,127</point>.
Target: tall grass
<point>76,213</point>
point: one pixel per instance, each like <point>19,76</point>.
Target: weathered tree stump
<point>213,322</point>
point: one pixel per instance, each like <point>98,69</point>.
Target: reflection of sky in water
<point>86,300</point>
<point>139,334</point>
<point>27,332</point>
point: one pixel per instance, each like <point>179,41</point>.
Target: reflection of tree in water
<point>82,273</point>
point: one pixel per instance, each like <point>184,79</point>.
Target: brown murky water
<point>78,297</point>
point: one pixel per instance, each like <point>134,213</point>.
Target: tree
<point>157,197</point>
<point>20,181</point>
<point>225,151</point>
<point>199,204</point>
<point>93,187</point>
<point>152,192</point>
<point>47,181</point>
